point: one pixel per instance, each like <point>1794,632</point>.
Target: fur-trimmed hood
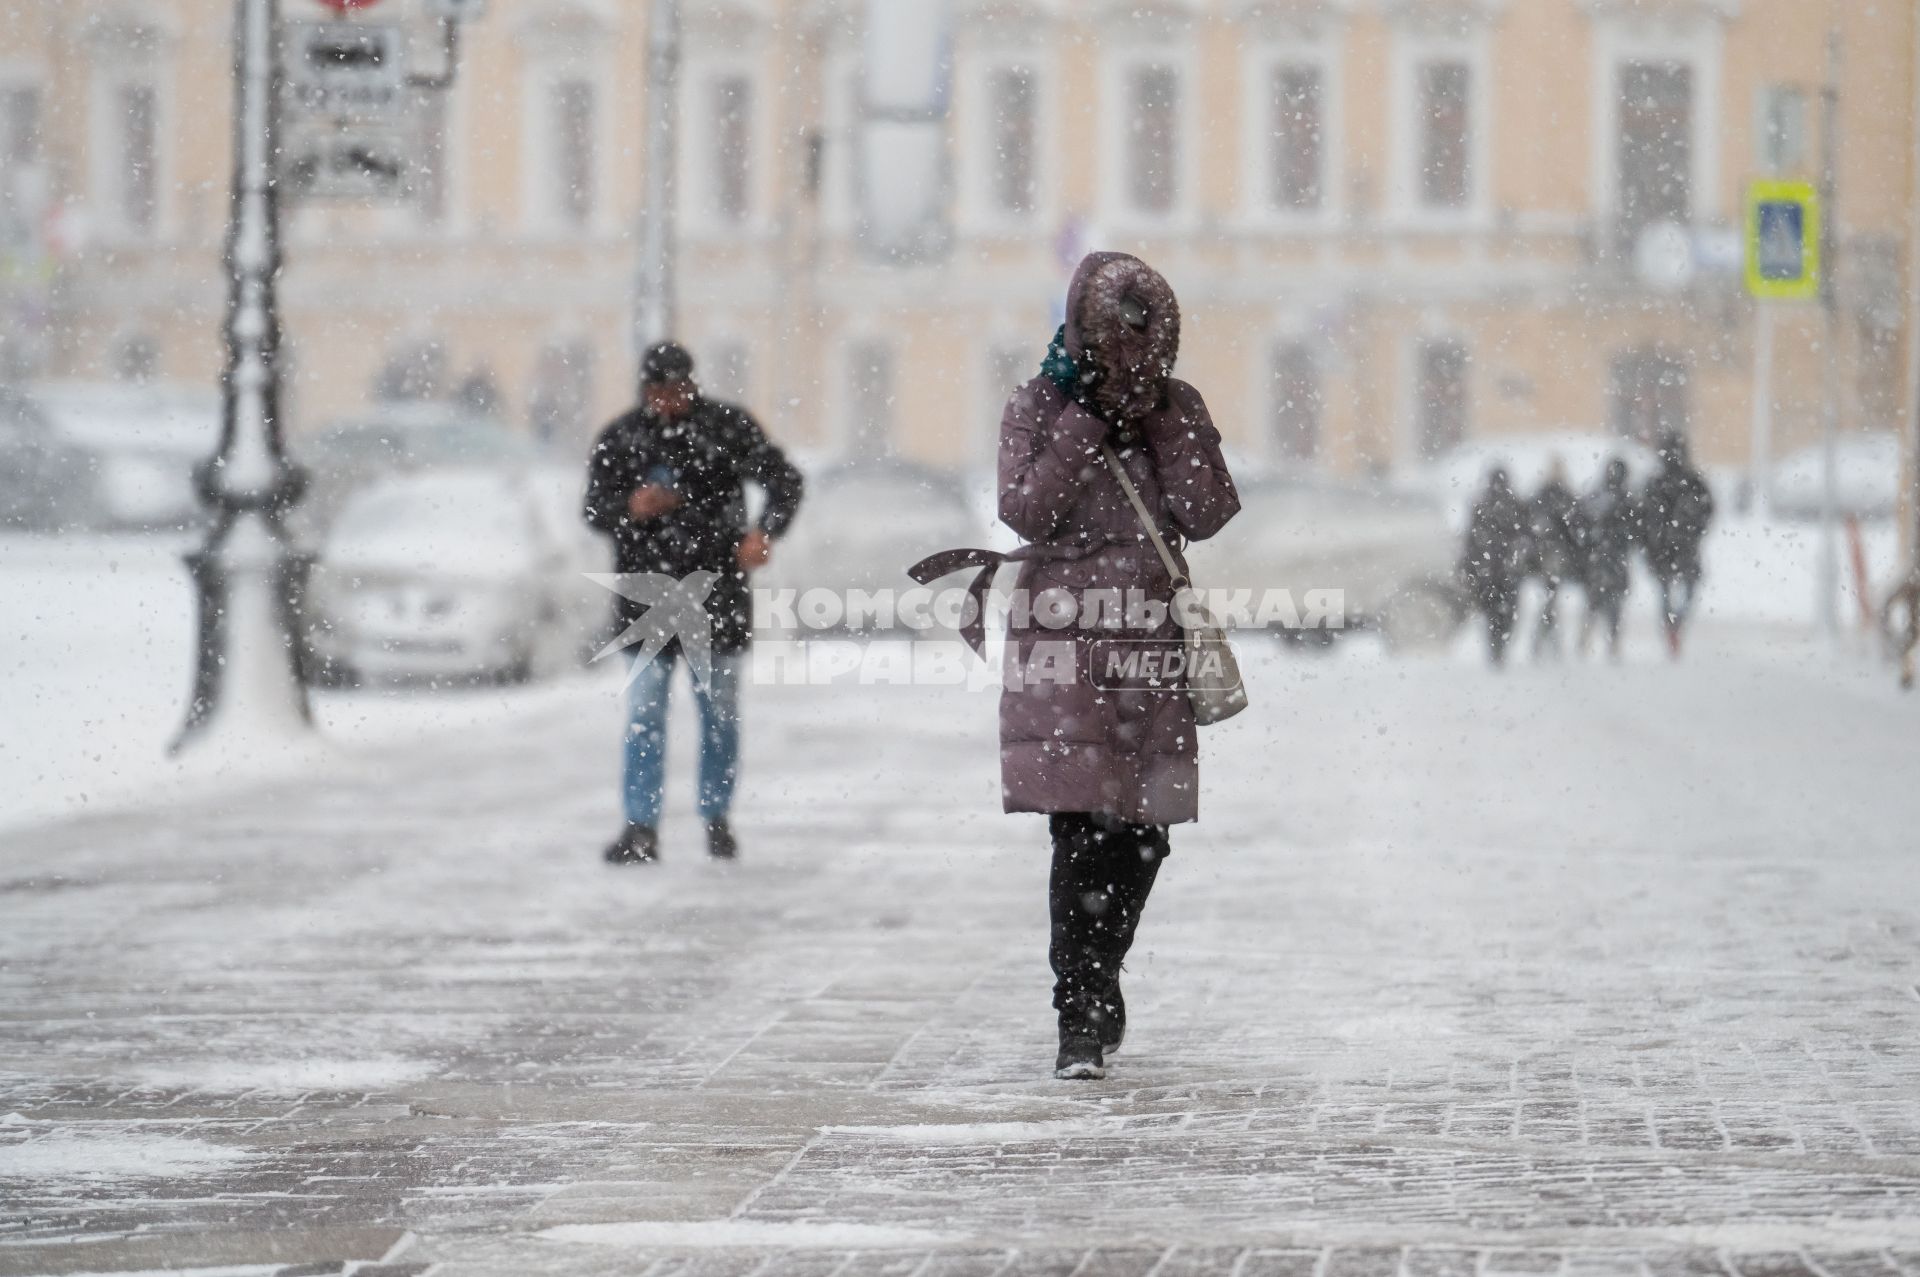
<point>1123,326</point>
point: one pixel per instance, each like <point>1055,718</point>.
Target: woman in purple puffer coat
<point>1087,735</point>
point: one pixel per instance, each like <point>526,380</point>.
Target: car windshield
<point>479,511</point>
<point>420,446</point>
<point>158,418</point>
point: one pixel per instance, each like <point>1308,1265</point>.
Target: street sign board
<point>348,162</point>
<point>1783,240</point>
<point>341,69</point>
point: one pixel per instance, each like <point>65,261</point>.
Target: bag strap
<point>1146,520</point>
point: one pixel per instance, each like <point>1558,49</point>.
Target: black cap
<point>665,361</point>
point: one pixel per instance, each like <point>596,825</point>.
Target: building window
<point>1654,147</point>
<point>127,178</point>
<point>19,124</point>
<point>562,393</point>
<point>20,191</point>
<point>1295,402</point>
<point>1152,152</point>
<point>870,399</point>
<point>574,151</point>
<point>1297,138</point>
<point>839,111</point>
<point>1440,389</point>
<point>1443,102</point>
<point>1780,139</point>
<point>1013,98</point>
<point>1647,394</point>
<point>731,107</point>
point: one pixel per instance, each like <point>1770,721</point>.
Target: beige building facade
<point>1394,225</point>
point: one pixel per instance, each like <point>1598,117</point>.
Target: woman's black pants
<point>1103,870</point>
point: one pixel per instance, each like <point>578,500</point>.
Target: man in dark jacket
<point>1673,515</point>
<point>665,480</point>
<point>1555,535</point>
<point>1607,526</point>
<point>1493,559</point>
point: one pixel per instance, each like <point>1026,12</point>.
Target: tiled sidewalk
<point>1581,972</point>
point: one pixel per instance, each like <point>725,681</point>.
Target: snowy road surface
<point>1571,972</point>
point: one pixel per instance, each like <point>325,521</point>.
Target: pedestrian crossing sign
<point>1783,240</point>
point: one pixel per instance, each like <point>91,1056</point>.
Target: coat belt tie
<point>973,627</point>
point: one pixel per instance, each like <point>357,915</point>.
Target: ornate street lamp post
<point>655,306</point>
<point>248,576</point>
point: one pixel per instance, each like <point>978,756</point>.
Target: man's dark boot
<point>1079,1059</point>
<point>636,845</point>
<point>1113,1018</point>
<point>720,841</point>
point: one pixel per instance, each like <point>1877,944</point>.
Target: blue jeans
<point>646,744</point>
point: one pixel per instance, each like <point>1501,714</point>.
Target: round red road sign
<point>347,6</point>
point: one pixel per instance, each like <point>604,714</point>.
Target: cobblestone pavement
<point>1572,972</point>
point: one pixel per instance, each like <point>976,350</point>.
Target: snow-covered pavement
<point>1569,971</point>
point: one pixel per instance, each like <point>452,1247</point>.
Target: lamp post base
<point>249,685</point>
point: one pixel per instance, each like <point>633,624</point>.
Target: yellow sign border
<point>1776,191</point>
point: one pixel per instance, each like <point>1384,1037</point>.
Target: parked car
<point>864,523</point>
<point>138,448</point>
<point>44,477</point>
<point>1867,477</point>
<point>399,439</point>
<point>1378,546</point>
<point>457,574</point>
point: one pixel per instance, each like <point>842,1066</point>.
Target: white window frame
<point>1117,210</point>
<point>1696,43</point>
<point>1325,53</point>
<point>540,211</point>
<point>979,213</point>
<point>698,195</point>
<point>1412,48</point>
<point>112,71</point>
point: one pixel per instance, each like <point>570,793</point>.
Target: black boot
<point>720,841</point>
<point>636,845</point>
<point>1113,1016</point>
<point>1103,871</point>
<point>1079,1059</point>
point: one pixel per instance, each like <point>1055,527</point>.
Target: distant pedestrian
<point>666,481</point>
<point>1108,752</point>
<point>1554,537</point>
<point>1672,516</point>
<point>1607,528</point>
<point>1493,561</point>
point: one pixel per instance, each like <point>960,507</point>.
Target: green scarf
<point>1059,368</point>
